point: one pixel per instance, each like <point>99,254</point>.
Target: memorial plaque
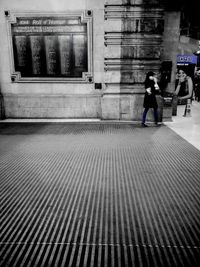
<point>50,46</point>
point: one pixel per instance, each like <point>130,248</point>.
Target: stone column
<point>133,46</point>
<point>170,43</point>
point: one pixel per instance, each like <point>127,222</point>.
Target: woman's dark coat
<point>150,100</point>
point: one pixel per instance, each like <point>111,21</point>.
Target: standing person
<point>184,85</point>
<point>151,86</point>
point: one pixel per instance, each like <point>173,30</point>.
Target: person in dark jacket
<point>184,85</point>
<point>151,86</point>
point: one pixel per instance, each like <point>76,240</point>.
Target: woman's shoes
<point>144,125</point>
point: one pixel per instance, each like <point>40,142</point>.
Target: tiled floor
<point>187,127</point>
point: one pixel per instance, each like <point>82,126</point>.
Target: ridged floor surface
<point>98,195</point>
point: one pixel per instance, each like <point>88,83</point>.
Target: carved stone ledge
<point>112,38</point>
<point>115,12</point>
<point>129,76</point>
<point>146,51</point>
<point>133,2</point>
<point>135,25</point>
<point>127,63</point>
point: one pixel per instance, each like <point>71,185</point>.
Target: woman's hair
<point>183,69</point>
<point>150,73</point>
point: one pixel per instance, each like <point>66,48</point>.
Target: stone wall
<point>48,99</point>
<point>129,38</point>
<point>133,46</point>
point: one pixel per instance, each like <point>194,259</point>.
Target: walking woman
<point>151,86</point>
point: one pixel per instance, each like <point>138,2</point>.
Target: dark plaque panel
<point>50,47</point>
<point>22,54</point>
<point>21,47</point>
<point>66,59</point>
<point>80,54</point>
<point>38,55</point>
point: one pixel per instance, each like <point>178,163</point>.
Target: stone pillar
<point>170,43</point>
<point>133,46</point>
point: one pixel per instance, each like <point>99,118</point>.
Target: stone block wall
<point>133,46</point>
<point>129,38</point>
<point>55,98</point>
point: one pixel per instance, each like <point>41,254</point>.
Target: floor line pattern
<point>98,195</point>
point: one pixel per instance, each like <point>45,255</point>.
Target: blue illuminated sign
<point>186,59</point>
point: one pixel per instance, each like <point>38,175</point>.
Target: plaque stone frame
<point>85,17</point>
